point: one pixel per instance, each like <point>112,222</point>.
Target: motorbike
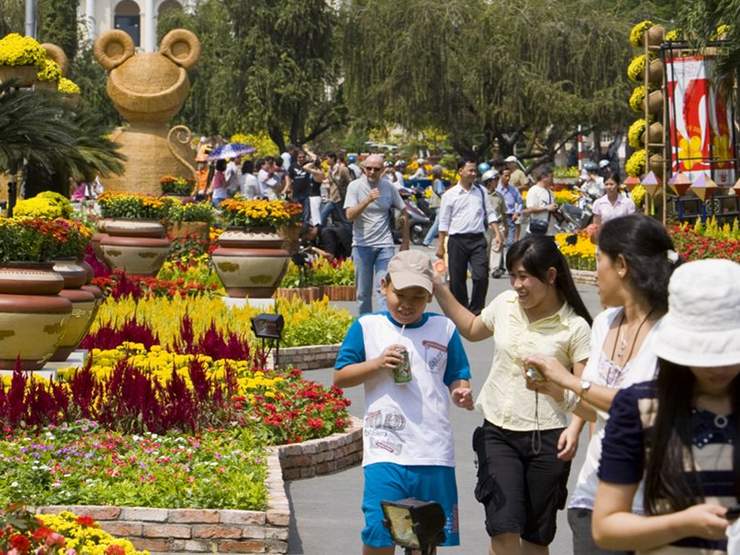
<point>571,218</point>
<point>419,220</point>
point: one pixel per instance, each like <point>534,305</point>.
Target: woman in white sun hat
<point>677,433</point>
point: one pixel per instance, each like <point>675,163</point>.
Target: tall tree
<point>11,17</point>
<point>57,23</point>
<point>700,21</point>
<point>487,70</point>
<point>265,65</point>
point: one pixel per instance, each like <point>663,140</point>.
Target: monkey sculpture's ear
<point>113,48</point>
<point>58,55</point>
<point>182,47</point>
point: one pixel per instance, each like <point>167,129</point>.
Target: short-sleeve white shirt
<point>539,197</point>
<point>464,211</point>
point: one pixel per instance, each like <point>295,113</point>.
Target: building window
<point>128,18</point>
<point>169,5</point>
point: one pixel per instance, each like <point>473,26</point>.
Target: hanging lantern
<point>631,182</point>
<point>703,187</point>
<point>680,183</point>
<point>651,183</point>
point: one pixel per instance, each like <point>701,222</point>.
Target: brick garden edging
<point>317,457</point>
<point>227,530</point>
<point>311,357</point>
<point>586,277</point>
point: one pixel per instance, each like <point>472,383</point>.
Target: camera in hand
<point>534,375</point>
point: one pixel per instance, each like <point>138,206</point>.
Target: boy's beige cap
<point>411,269</point>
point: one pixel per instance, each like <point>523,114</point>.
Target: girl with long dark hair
<point>635,260</point>
<point>525,445</point>
<point>679,433</point>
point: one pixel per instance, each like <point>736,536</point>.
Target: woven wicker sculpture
<point>148,89</point>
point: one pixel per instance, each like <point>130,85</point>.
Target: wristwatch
<point>585,386</point>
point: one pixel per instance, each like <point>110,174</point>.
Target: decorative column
<point>90,18</point>
<point>150,42</point>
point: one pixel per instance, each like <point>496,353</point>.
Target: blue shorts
<point>392,482</point>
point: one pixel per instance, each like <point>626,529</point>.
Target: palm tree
<point>40,134</point>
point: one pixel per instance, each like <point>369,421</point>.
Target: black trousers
<point>465,249</point>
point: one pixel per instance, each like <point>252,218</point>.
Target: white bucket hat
<point>702,325</point>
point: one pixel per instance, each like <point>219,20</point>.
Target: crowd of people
<point>655,373</point>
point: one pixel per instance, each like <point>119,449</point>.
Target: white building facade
<point>136,17</point>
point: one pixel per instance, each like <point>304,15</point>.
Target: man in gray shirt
<point>369,204</point>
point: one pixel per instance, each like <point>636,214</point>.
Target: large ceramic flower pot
<point>84,306</point>
<point>98,236</point>
<point>250,263</point>
<point>32,315</point>
<point>76,326</point>
<point>24,76</point>
<point>136,247</point>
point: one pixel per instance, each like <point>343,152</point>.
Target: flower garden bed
<point>319,278</point>
<point>316,323</point>
<point>697,242</point>
<point>161,530</point>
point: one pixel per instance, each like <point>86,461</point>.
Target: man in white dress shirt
<point>464,214</point>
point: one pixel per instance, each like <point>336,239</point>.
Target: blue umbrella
<point>230,150</point>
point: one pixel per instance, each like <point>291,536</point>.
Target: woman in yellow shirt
<point>525,443</point>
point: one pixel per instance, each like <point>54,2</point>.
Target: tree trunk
<point>277,137</point>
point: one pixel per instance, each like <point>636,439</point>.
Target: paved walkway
<point>326,510</point>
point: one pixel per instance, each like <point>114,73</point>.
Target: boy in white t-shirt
<point>408,446</point>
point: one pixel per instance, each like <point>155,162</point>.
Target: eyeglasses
<point>373,169</point>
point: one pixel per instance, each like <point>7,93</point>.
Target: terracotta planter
<point>341,292</point>
<point>24,76</point>
<point>250,263</point>
<point>655,133</point>
<point>50,86</point>
<point>656,35</point>
<point>136,247</point>
<point>76,326</point>
<point>32,314</point>
<point>655,103</point>
<point>73,273</point>
<point>84,306</point>
<point>183,230</point>
<point>292,235</point>
<point>98,236</point>
<point>306,294</point>
<point>655,72</point>
<point>655,164</point>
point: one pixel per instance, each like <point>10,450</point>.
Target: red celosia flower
<point>115,550</point>
<point>85,520</point>
<point>20,542</point>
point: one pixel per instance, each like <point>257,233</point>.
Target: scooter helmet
<point>490,174</point>
<point>483,167</point>
<point>591,166</point>
<point>352,158</point>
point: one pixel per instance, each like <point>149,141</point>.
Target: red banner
<point>700,121</point>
